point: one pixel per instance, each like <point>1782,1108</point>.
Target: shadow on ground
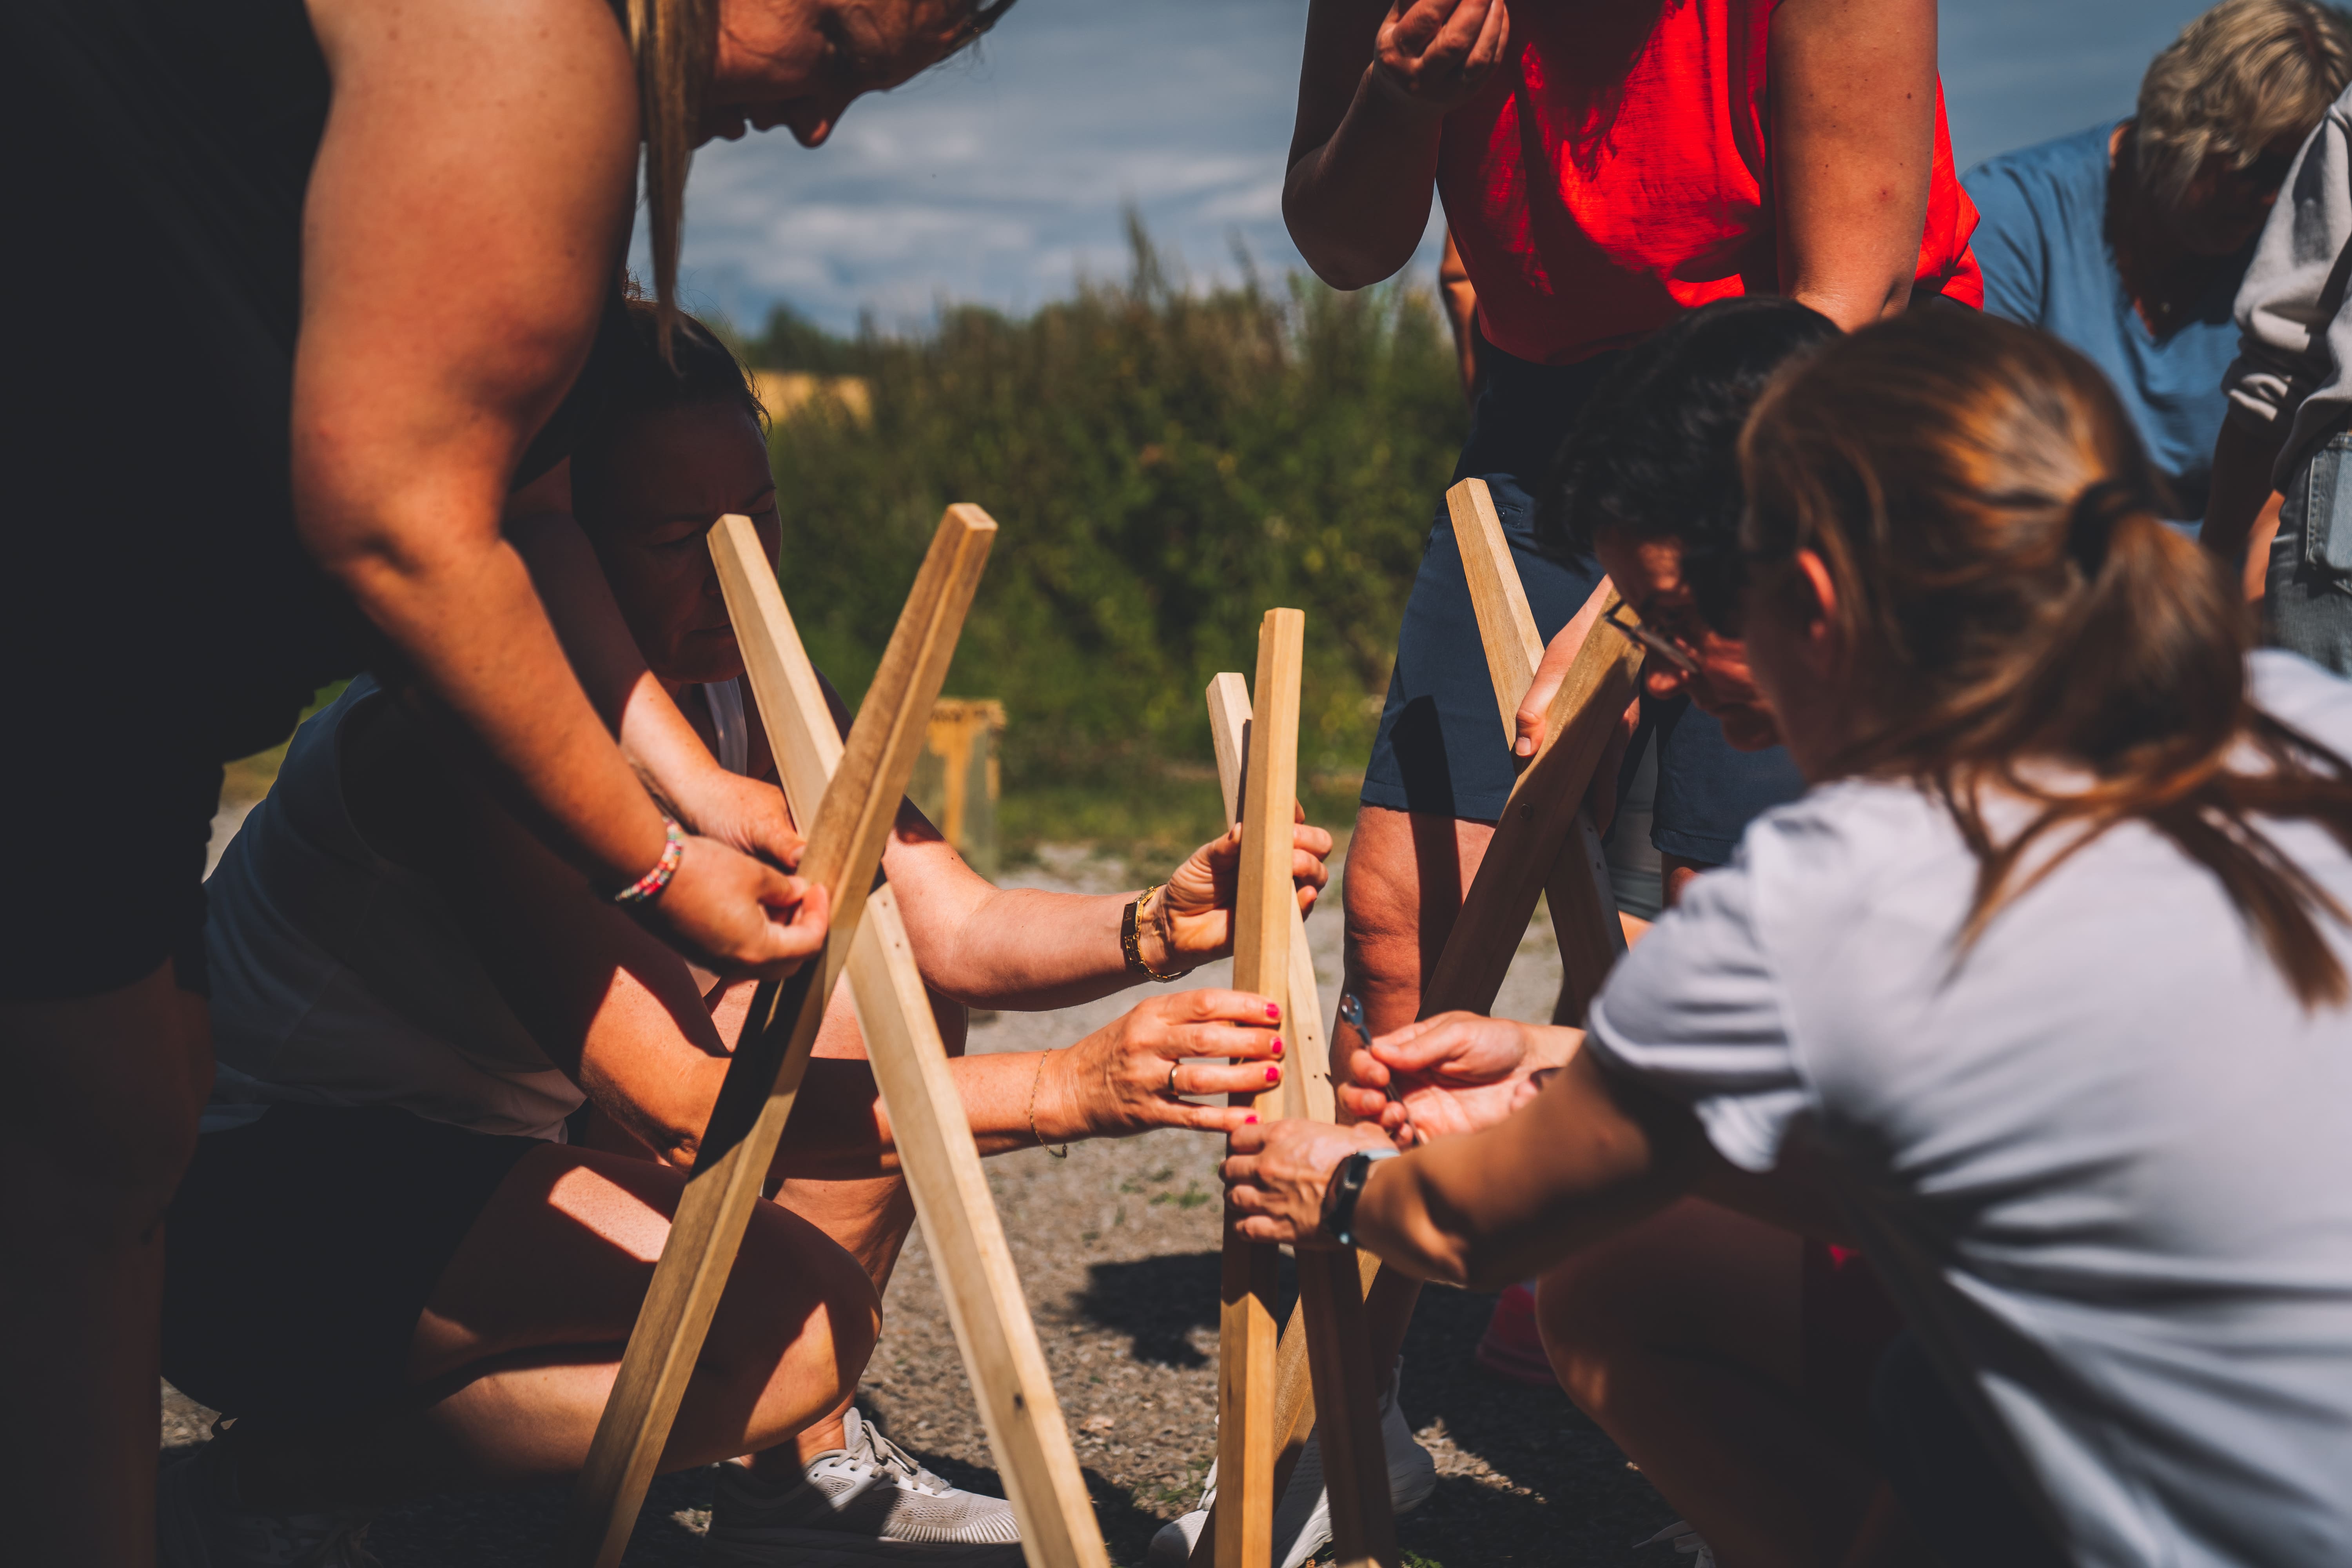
<point>1161,1302</point>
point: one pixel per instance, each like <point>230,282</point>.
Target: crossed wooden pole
<point>849,795</point>
<point>1544,845</point>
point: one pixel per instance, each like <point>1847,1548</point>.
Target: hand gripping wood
<point>845,849</point>
<point>1329,1312</point>
<point>935,1151</point>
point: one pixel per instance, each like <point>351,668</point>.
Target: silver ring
<point>1171,1079</point>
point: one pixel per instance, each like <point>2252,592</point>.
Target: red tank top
<point>1616,172</point>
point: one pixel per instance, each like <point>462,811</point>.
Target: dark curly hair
<point>1657,452</point>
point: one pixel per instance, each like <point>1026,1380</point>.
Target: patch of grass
<point>1192,1198</point>
<point>247,779</point>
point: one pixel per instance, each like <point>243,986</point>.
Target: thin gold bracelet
<point>1036,1078</point>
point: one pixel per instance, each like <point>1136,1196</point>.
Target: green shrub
<point>1166,466</point>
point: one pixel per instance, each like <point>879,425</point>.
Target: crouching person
<point>2039,992</point>
<point>459,1089</point>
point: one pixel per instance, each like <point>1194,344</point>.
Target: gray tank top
<point>341,978</point>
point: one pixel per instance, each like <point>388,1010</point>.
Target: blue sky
<point>1002,178</point>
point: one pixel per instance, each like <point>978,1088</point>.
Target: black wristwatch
<point>1347,1187</point>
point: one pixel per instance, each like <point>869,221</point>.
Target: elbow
<point>1335,250</point>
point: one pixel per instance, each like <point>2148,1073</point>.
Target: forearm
<point>1357,204</point>
<point>460,608</point>
<point>1024,950</point>
<point>1853,92</point>
<point>2243,459</point>
<point>1485,1209</point>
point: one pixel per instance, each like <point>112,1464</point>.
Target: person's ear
<point>1824,642</point>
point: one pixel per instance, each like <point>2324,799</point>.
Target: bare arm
<point>463,222</point>
<point>1026,950</point>
<point>2242,509</point>
<point>1374,92</point>
<point>1853,136</point>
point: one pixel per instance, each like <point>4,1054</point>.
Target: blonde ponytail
<point>674,42</point>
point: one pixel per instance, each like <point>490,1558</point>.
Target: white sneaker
<point>867,1501</point>
<point>1302,1521</point>
<point>1684,1539</point>
<point>200,1525</point>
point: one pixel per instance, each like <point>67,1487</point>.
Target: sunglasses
<point>1667,649</point>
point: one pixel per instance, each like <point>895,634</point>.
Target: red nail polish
<point>1274,1075</point>
<point>1249,1120</point>
<point>1273,1014</point>
<point>1277,1047</point>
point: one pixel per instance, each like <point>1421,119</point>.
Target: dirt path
<point>1118,1249</point>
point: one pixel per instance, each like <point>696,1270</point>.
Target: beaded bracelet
<point>649,885</point>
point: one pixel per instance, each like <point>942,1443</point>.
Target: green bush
<point>1166,466</point>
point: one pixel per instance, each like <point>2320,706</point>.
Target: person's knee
<point>1381,896</point>
<point>1585,1330</point>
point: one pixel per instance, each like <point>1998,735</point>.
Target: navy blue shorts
<point>1441,747</point>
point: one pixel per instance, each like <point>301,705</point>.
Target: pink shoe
<point>1511,1346</point>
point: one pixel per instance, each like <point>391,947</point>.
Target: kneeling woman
<point>395,1260</point>
<point>2039,993</point>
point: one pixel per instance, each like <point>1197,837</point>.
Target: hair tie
<point>2091,523</point>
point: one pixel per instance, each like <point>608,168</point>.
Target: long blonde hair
<point>674,43</point>
<point>2011,600</point>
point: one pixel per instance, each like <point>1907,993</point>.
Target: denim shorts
<point>2307,594</point>
<point>1441,748</point>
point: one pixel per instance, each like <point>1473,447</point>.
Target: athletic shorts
<point>302,1248</point>
<point>1441,748</point>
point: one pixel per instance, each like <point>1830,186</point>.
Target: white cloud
<point>1000,178</point>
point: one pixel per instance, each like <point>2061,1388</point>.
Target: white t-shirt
<point>2102,1161</point>
<point>342,978</point>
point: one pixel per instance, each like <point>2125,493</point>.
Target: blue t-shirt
<point>2043,245</point>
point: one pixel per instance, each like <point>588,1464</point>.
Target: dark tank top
<point>161,150</point>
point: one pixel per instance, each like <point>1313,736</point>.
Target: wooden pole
<point>935,1151</point>
<point>845,849</point>
<point>1245,1325</point>
<point>1583,908</point>
<point>1329,1313</point>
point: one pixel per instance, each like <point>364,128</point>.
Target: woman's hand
<point>1437,53</point>
<point>1125,1077</point>
<point>1277,1175</point>
<point>1191,920</point>
<point>746,814</point>
<point>1455,1073</point>
<point>735,916</point>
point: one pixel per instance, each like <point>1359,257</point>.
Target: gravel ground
<point>1116,1246</point>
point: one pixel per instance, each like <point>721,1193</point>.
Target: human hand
<point>1126,1076</point>
<point>1455,1073</point>
<point>1436,54</point>
<point>1276,1174</point>
<point>736,916</point>
<point>1533,721</point>
<point>744,814</point>
<point>1193,918</point>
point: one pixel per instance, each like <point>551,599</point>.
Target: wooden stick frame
<point>1329,1316</point>
<point>858,788</point>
